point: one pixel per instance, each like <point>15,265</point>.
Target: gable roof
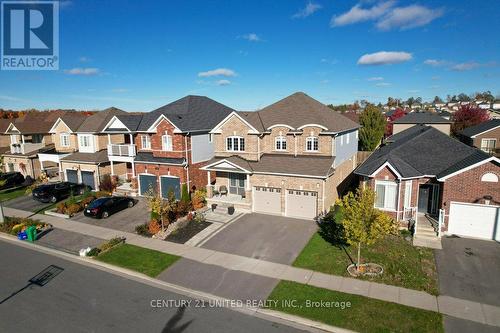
<point>4,124</point>
<point>481,128</point>
<point>299,109</point>
<point>72,120</point>
<point>190,113</point>
<point>97,121</point>
<point>130,122</point>
<point>422,151</point>
<point>422,118</point>
<point>34,122</point>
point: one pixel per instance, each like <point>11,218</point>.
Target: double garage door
<point>474,220</point>
<point>298,203</point>
<point>148,183</point>
<point>87,177</point>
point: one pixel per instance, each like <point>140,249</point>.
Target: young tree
<point>372,127</point>
<point>159,208</point>
<point>362,223</point>
<point>466,116</point>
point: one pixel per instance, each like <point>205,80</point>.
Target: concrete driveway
<point>469,269</point>
<point>26,203</point>
<point>266,237</point>
<point>125,220</point>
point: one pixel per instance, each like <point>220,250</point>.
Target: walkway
<point>455,307</point>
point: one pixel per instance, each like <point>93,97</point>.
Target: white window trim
<point>146,139</point>
<point>312,139</point>
<point>281,139</point>
<point>166,145</point>
<point>347,139</point>
<point>341,140</point>
<point>387,183</point>
<point>62,138</point>
<point>488,139</point>
<point>408,187</point>
<point>90,148</point>
<point>239,138</point>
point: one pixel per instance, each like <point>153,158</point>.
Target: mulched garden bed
<point>182,235</point>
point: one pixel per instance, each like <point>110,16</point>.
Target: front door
<point>237,183</point>
<point>423,199</point>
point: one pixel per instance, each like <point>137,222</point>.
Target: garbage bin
<point>31,232</point>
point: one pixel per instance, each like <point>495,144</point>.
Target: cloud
<point>375,78</point>
<point>310,9</point>
<point>329,61</point>
<point>218,72</point>
<point>382,84</point>
<point>466,66</point>
<point>10,98</point>
<point>82,71</point>
<point>384,58</point>
<point>84,59</point>
<point>389,17</point>
<point>357,14</point>
<point>252,37</point>
<point>409,17</point>
<point>223,82</point>
<point>120,90</point>
<point>435,63</point>
<point>413,91</point>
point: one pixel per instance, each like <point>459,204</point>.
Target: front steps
<point>425,234</point>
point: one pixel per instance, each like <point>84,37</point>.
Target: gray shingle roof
<point>131,121</point>
<point>74,120</point>
<point>97,121</point>
<point>480,128</point>
<point>149,158</point>
<point>422,118</point>
<point>100,156</point>
<point>421,151</point>
<point>190,113</point>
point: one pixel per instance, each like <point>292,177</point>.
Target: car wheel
<point>53,199</point>
<point>130,204</point>
<point>105,215</point>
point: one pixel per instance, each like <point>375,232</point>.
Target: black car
<point>11,179</point>
<point>54,192</point>
<point>104,207</point>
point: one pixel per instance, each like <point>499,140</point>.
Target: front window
<point>386,195</point>
<point>166,142</point>
<point>312,143</point>
<point>146,142</point>
<point>85,141</point>
<point>488,145</point>
<point>64,140</point>
<point>36,138</point>
<point>280,143</point>
<point>235,143</point>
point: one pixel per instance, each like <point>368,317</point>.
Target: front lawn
<point>12,193</point>
<point>363,315</point>
<point>146,261</point>
<point>404,265</point>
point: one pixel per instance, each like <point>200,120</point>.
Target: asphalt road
<point>84,299</point>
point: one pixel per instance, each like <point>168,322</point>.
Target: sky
<point>140,55</point>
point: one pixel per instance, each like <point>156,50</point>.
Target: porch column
<point>41,164</point>
<point>61,176</point>
<point>112,168</point>
<point>109,139</point>
<point>22,138</point>
<point>248,187</point>
<point>209,181</point>
<point>131,139</point>
<point>209,187</point>
<point>133,169</point>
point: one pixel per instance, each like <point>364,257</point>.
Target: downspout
<point>399,200</point>
<point>187,161</point>
<point>98,176</point>
<point>33,168</point>
<point>295,144</point>
<point>258,146</point>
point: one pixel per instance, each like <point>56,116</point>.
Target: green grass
<point>146,261</point>
<point>404,265</point>
<point>12,193</point>
<point>363,315</point>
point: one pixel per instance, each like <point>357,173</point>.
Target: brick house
<point>168,146</point>
<point>422,118</point>
<point>485,136</point>
<point>428,176</point>
<point>290,158</point>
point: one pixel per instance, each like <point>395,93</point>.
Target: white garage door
<point>301,204</point>
<point>473,220</point>
<point>267,200</point>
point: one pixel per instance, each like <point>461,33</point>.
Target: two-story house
<point>167,147</point>
<point>90,161</point>
<point>290,158</point>
<point>485,136</point>
<point>422,118</point>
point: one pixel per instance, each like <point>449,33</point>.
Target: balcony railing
<point>121,150</point>
<point>24,148</point>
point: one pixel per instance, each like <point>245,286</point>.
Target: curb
<point>269,315</point>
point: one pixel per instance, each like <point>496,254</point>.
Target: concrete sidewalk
<point>455,307</point>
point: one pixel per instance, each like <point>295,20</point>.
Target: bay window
<point>386,194</point>
<point>235,143</point>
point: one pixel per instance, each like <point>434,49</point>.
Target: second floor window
<point>85,141</point>
<point>312,143</point>
<point>488,145</point>
<point>235,143</point>
<point>146,142</point>
<point>36,138</point>
<point>64,140</point>
<point>280,143</point>
<point>166,142</point>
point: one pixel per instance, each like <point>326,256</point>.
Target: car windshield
<point>98,202</point>
<point>44,187</point>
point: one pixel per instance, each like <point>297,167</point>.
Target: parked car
<point>11,179</point>
<point>104,207</point>
<point>53,192</point>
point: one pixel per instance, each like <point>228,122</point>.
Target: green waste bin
<point>31,233</point>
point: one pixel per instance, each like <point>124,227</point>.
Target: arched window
<point>489,177</point>
<point>280,143</point>
<point>235,143</point>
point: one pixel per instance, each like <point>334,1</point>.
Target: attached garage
<point>301,204</point>
<point>72,176</point>
<point>474,220</point>
<point>147,182</point>
<point>267,200</point>
<point>88,178</point>
<point>168,183</point>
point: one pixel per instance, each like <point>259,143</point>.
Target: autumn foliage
<point>398,113</point>
<point>467,116</point>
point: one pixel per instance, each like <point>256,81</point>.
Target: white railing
<point>440,222</point>
<point>23,148</point>
<point>409,213</point>
<point>121,150</point>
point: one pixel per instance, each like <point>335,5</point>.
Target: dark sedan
<point>104,207</point>
<point>11,179</point>
<point>53,192</point>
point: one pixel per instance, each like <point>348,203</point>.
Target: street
<point>83,299</point>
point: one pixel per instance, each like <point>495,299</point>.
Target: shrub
<point>31,187</point>
<point>87,200</point>
<point>100,194</point>
<point>107,184</point>
<point>154,227</point>
<point>94,252</point>
<point>133,183</point>
<point>13,225</point>
<point>111,243</point>
<point>72,209</point>
<point>185,193</point>
<point>198,199</point>
<point>143,230</point>
<point>183,208</point>
<point>61,207</point>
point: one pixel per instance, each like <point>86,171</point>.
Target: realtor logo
<point>30,35</point>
